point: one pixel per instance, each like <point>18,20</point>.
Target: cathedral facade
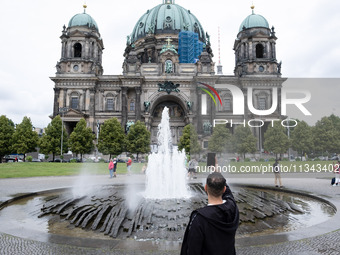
<point>155,75</point>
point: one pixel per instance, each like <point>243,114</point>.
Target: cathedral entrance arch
<point>178,117</point>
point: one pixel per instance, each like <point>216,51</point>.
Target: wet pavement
<point>323,238</point>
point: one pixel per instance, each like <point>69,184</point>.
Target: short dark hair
<point>215,184</point>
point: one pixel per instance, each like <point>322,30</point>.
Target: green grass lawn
<point>32,169</point>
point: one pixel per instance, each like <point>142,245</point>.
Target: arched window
<point>259,50</point>
<point>227,104</point>
<point>244,51</point>
<point>110,103</point>
<point>262,103</point>
<point>77,50</point>
<point>132,106</point>
<point>75,101</point>
<point>92,50</point>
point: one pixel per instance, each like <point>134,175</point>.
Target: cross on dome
<point>169,41</point>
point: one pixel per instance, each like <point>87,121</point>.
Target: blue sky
<point>307,31</point>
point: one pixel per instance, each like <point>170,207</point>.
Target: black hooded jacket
<point>211,229</point>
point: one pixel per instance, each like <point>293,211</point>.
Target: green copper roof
<point>254,20</point>
<point>167,18</point>
<point>83,19</point>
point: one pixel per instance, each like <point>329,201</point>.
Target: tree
<point>276,140</point>
<point>243,141</point>
<point>335,120</point>
<point>189,140</point>
<point>111,138</point>
<point>326,136</point>
<point>81,139</point>
<point>220,139</point>
<point>138,139</point>
<point>25,139</point>
<point>50,142</point>
<point>302,138</point>
<point>6,134</point>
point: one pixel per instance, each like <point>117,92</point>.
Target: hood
<point>224,216</point>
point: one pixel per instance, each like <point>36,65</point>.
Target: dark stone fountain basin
<point>121,213</point>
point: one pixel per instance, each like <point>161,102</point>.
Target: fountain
<point>166,172</point>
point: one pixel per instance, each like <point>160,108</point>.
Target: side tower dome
<point>83,19</point>
<point>254,20</point>
<point>82,46</point>
<point>255,51</point>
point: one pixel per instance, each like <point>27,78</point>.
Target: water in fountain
<point>166,172</point>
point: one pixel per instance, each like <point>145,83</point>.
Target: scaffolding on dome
<point>189,47</point>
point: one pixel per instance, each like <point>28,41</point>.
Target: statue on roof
<point>151,28</point>
<point>208,38</point>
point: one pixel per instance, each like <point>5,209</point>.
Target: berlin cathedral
<point>168,61</point>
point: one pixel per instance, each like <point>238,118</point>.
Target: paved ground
<point>321,239</point>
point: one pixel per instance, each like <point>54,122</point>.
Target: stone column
<point>100,56</point>
<point>250,51</point>
<point>246,109</point>
<point>96,52</point>
<point>69,49</point>
<point>87,100</point>
<point>242,51</point>
<point>65,98</point>
<point>84,100</point>
<point>148,121</point>
<point>199,111</point>
<point>86,49</point>
<point>56,101</point>
<point>101,104</point>
<point>279,100</point>
<point>138,104</point>
<point>63,50</point>
<point>124,106</point>
<point>92,102</point>
<point>83,50</point>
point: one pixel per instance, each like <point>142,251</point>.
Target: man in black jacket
<point>211,229</point>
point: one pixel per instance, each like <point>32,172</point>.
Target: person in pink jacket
<point>111,166</point>
<point>128,164</point>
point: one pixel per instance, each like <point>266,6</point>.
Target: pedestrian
<point>128,164</point>
<point>145,166</point>
<point>115,167</point>
<point>336,168</point>
<point>212,229</point>
<point>277,172</point>
<point>192,168</point>
<point>111,166</point>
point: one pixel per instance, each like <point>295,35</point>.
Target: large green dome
<point>83,19</point>
<point>167,18</point>
<point>254,20</point>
